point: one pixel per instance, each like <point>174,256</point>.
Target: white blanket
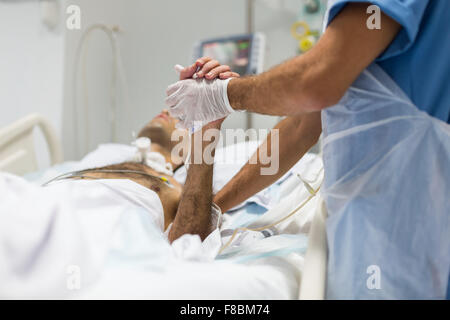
<point>104,239</point>
<point>44,232</point>
<point>227,162</point>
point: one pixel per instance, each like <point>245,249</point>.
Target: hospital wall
<point>37,62</point>
<point>31,68</point>
<point>153,36</point>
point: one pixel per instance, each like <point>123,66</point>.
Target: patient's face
<point>165,121</point>
<point>160,130</point>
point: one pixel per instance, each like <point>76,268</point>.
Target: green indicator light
<point>243,45</point>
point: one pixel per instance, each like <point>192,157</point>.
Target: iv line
<point>312,192</point>
<point>117,73</point>
<point>80,173</point>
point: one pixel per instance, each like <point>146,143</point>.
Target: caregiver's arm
<point>194,210</point>
<point>297,134</point>
<point>320,77</point>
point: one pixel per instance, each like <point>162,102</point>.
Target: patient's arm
<point>297,134</point>
<point>194,210</point>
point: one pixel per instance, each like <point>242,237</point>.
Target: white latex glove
<point>198,102</point>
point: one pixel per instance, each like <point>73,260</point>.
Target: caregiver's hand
<point>198,102</point>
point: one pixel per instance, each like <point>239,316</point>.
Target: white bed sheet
<point>108,232</point>
<point>133,269</point>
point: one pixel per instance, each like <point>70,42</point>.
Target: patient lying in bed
<point>103,222</point>
<point>79,221</point>
<point>106,221</point>
<point>159,130</point>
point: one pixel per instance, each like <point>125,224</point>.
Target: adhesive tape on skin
<point>178,68</point>
<point>156,161</point>
<point>156,157</point>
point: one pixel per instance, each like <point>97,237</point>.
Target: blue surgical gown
<point>418,59</point>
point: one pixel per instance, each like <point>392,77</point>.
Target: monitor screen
<point>233,52</point>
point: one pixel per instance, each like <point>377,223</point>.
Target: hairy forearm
<point>297,135</point>
<point>287,89</point>
<point>194,210</point>
<point>320,77</point>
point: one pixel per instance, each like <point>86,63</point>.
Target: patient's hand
<point>208,69</point>
<point>216,124</point>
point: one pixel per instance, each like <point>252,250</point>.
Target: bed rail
<point>17,150</point>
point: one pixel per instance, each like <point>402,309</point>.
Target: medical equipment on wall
<point>154,160</point>
<point>307,28</point>
<point>243,53</point>
<point>50,13</point>
<point>117,73</point>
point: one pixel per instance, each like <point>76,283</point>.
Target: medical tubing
<point>117,70</point>
<point>312,195</point>
<point>79,173</point>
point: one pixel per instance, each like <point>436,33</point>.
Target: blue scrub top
<point>418,59</point>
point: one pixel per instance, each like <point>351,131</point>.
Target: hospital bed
<point>17,149</point>
<point>17,155</point>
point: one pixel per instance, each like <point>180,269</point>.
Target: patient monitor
<point>243,53</point>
